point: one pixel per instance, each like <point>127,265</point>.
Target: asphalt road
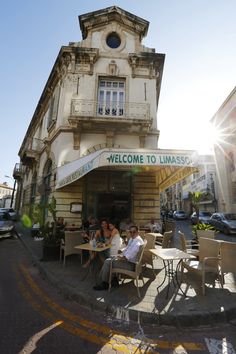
<point>186,227</point>
<point>35,318</point>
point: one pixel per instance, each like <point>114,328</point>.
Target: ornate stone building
<point>93,139</point>
<point>225,153</point>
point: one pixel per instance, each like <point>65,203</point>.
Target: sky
<point>198,38</point>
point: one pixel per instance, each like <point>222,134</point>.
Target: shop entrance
<point>108,195</point>
<point>113,206</point>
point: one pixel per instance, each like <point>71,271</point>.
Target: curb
<point>180,321</point>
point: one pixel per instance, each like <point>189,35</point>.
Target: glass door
<point>111,98</point>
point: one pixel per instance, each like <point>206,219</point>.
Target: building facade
<point>5,195</point>
<point>93,140</point>
<point>176,197</point>
<point>224,122</point>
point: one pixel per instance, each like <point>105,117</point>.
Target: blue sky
<point>197,36</point>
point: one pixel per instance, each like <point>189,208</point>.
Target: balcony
<point>18,171</point>
<point>91,114</point>
<point>31,151</point>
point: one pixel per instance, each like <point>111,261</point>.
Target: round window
<point>113,40</point>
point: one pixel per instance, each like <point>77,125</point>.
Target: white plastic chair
<point>72,239</point>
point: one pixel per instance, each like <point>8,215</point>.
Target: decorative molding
<point>110,138</point>
<point>142,141</point>
<point>112,68</point>
<point>77,139</point>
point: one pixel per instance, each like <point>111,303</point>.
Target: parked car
<point>180,215</point>
<point>7,227</point>
<point>13,214</point>
<point>204,217</point>
<point>225,222</point>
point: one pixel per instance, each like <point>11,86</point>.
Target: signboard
<point>154,159</point>
<point>111,157</point>
<point>75,207</point>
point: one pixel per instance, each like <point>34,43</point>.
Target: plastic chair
<point>227,259</point>
<point>186,245</point>
<point>166,241</point>
<point>205,233</point>
<point>135,274</point>
<point>147,255</point>
<point>72,239</point>
<point>208,260</point>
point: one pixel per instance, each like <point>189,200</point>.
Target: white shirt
<point>154,227</point>
<point>131,251</point>
<point>116,244</point>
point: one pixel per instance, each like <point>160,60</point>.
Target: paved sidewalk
<point>219,305</point>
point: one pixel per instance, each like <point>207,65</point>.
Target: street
<point>35,318</point>
<point>186,227</point>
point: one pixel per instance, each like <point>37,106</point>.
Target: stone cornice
<point>64,59</point>
<point>102,17</point>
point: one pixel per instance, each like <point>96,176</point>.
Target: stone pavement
<point>218,305</point>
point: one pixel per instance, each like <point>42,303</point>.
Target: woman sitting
<point>102,236</point>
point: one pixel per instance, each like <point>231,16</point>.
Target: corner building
<point>93,140</point>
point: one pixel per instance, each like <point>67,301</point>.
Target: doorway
<point>108,195</point>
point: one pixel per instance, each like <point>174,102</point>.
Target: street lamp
<point>213,190</point>
<point>14,188</point>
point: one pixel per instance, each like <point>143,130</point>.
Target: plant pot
<point>51,253</point>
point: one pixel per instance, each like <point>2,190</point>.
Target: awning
<point>172,165</point>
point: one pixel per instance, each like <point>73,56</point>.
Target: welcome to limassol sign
<point>147,159</point>
<point>107,158</point>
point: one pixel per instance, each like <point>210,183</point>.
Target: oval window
<point>113,40</point>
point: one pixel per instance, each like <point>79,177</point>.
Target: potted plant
<point>51,235</point>
<point>196,198</point>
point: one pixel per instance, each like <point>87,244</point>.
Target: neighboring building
<point>5,195</point>
<point>225,153</point>
<point>93,139</point>
<point>176,197</point>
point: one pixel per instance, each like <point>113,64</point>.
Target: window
<point>47,175</point>
<point>33,188</point>
<point>111,97</point>
<point>113,40</point>
<point>53,107</point>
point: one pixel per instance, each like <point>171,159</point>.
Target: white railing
<point>131,110</point>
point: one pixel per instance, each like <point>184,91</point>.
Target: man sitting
<point>153,226</point>
<point>126,260</point>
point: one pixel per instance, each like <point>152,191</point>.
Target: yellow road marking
<point>75,330</point>
<point>101,328</point>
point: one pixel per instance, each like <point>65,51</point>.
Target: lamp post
<point>213,191</point>
<point>13,192</point>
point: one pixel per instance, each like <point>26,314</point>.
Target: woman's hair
<point>101,229</point>
<point>112,222</point>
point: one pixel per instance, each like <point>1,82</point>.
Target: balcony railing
<point>129,111</point>
<point>18,171</point>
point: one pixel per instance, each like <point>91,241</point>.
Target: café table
<point>169,255</point>
<point>89,247</point>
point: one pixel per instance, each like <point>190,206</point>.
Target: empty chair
<point>72,239</point>
<point>186,245</point>
<point>147,255</point>
<point>208,260</point>
<point>227,259</point>
<point>168,226</point>
<point>166,241</point>
<point>205,233</point>
<point>125,273</point>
